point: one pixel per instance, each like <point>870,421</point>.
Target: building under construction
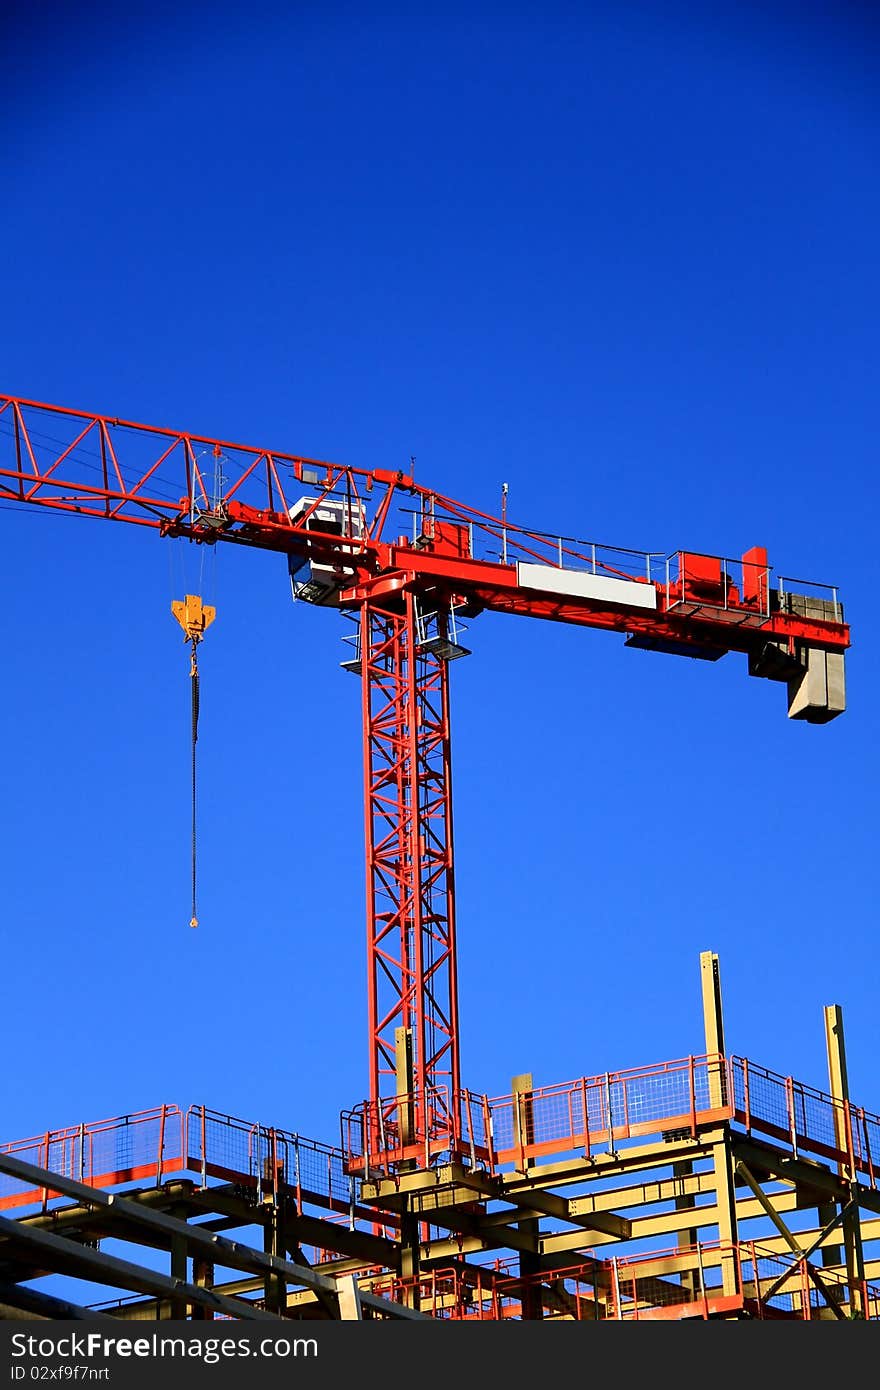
<point>704,1187</point>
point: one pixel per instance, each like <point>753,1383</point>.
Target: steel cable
<point>194,674</point>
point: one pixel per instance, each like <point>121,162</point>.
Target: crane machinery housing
<point>409,565</point>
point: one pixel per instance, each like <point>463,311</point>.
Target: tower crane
<point>409,565</point>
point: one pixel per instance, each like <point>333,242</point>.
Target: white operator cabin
<point>313,580</point>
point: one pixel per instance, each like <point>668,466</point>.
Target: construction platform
<point>708,1187</point>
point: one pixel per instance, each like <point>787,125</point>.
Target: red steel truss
<point>410,888</point>
<point>210,490</point>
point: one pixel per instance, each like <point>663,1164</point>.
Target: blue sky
<point>621,257</point>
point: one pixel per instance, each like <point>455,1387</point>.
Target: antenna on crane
<point>504,522</point>
<point>194,617</point>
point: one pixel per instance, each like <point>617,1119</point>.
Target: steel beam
<point>23,1304</point>
<point>797,1250</point>
<point>839,1086</point>
<point>67,1257</point>
<point>124,1274</point>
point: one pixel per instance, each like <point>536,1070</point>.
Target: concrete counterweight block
<point>818,692</point>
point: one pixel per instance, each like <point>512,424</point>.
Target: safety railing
<point>153,1145</point>
<point>574,1117</point>
<point>737,589</point>
<point>474,1292</point>
<point>742,590</point>
<point>806,1120</point>
<point>602,1113</point>
<point>669,1285</point>
<point>415,1127</point>
<point>482,537</point>
<point>800,594</point>
<point>718,1277</point>
<point>145,1147</point>
<point>709,1280</point>
<point>265,1158</point>
<point>608,1111</point>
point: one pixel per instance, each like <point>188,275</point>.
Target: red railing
<point>152,1145</point>
<point>577,1118</point>
<point>607,1112</point>
<point>806,1120</point>
<point>715,1279</point>
<point>144,1147</point>
<point>718,1277</point>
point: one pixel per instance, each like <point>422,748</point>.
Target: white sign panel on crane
<point>584,584</point>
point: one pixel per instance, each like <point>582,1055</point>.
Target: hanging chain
<point>194,617</point>
<point>194,679</point>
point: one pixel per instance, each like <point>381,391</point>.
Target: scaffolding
<point>706,1187</point>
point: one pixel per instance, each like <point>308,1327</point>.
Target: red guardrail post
<point>618,1311</point>
<point>161,1146</point>
<point>866,1136</point>
<point>472,1143</point>
<point>299,1202</point>
<point>866,1298</point>
<point>518,1100</point>
<point>490,1135</point>
<point>756,1279</point>
<point>608,1109</point>
<point>692,1096</point>
<point>382,1145</point>
<point>806,1302</point>
<point>45,1190</point>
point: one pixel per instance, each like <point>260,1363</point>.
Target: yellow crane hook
<point>195,618</point>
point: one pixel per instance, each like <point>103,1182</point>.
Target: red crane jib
<point>212,490</point>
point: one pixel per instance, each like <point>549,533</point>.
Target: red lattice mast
<point>413,998</point>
